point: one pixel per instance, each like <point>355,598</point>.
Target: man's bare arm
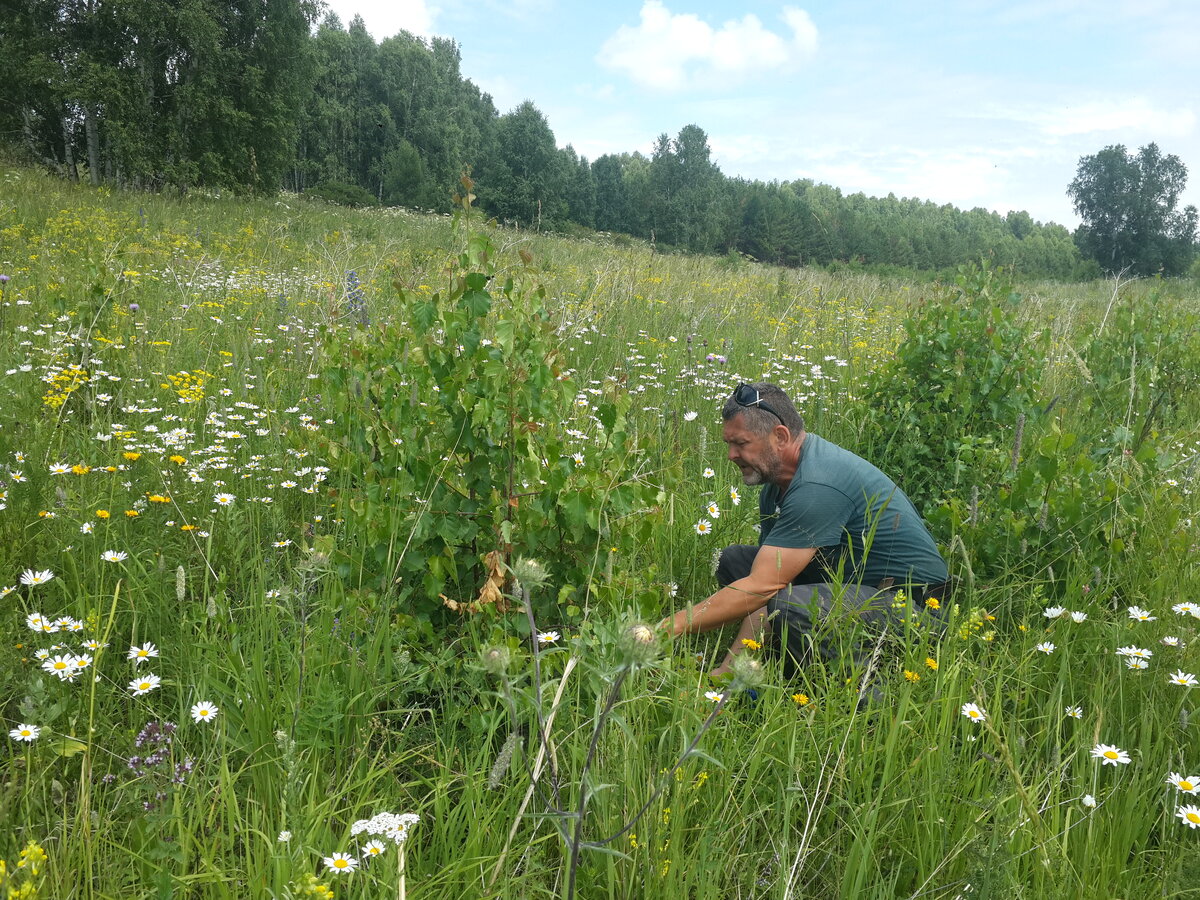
<point>773,570</point>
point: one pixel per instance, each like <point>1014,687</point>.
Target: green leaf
<point>476,302</point>
<point>425,314</point>
<point>505,331</point>
<point>67,746</point>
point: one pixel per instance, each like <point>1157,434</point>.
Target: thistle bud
<point>641,644</point>
<point>747,672</point>
<point>529,573</point>
<point>496,659</point>
<point>641,634</point>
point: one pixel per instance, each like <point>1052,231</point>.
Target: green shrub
<point>342,194</point>
<point>966,372</point>
<point>466,442</point>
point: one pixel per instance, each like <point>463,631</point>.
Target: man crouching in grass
<point>836,533</point>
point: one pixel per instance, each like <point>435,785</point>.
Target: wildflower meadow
<point>333,545</point>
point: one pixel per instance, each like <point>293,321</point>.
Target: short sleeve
<point>814,516</point>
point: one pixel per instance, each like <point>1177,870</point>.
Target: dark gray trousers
<point>816,617</point>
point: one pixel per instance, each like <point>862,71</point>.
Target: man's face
<point>756,455</point>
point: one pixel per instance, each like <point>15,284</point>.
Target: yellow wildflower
<point>931,663</point>
<point>911,675</point>
<point>751,644</point>
<point>32,857</point>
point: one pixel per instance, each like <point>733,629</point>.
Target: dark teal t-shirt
<point>854,515</point>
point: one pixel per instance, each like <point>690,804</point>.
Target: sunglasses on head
<point>747,395</point>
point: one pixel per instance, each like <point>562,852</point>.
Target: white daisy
<point>1110,755</point>
<point>1136,652</point>
<point>204,711</point>
<point>1189,815</point>
<point>973,712</point>
<point>1188,785</point>
<point>142,653</point>
<point>27,733</point>
<point>34,577</point>
<point>145,684</point>
<point>342,863</point>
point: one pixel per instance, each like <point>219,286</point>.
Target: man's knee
<point>811,621</point>
<point>735,562</point>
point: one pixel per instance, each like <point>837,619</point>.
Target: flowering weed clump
<point>268,474</point>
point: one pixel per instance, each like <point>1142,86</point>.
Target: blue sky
<point>973,103</point>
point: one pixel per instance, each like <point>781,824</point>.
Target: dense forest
<point>263,95</point>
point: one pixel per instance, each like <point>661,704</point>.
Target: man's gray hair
<point>761,421</point>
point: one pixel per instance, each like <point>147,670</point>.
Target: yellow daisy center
<point>339,864</point>
<point>1111,754</point>
<point>1186,785</point>
<point>1194,818</point>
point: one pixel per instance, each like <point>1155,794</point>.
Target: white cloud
<point>670,51</point>
<point>1134,114</point>
<point>386,18</point>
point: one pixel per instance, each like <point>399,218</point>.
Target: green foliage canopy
<point>222,94</point>
<point>1129,206</point>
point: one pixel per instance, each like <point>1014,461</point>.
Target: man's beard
<point>764,475</point>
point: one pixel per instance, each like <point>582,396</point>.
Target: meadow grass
<point>168,481</point>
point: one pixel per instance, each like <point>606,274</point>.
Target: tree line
<point>256,95</point>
